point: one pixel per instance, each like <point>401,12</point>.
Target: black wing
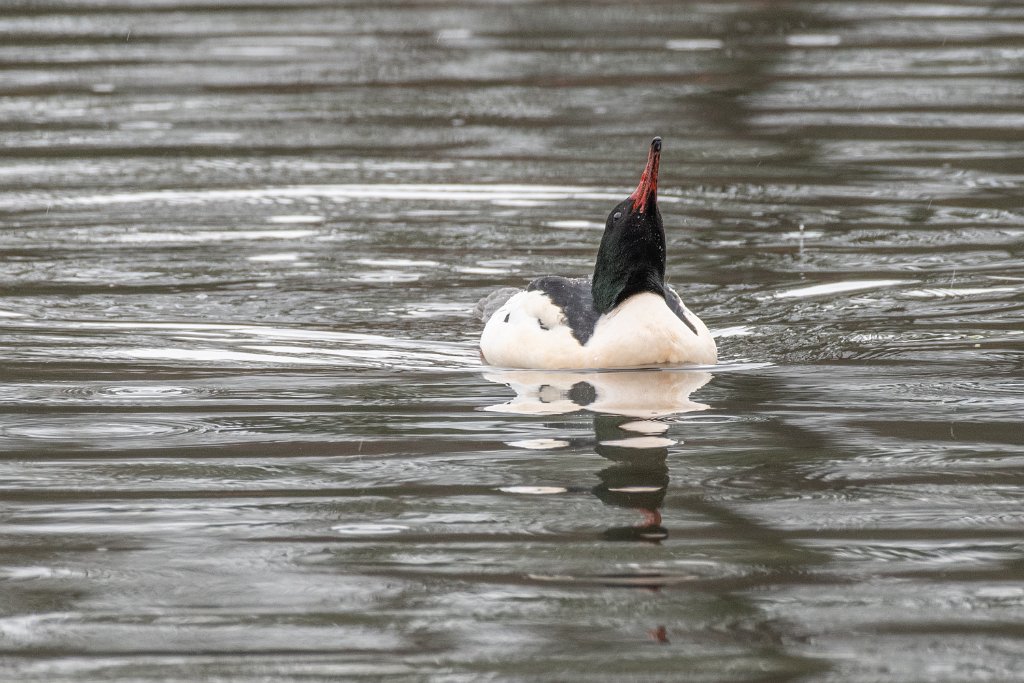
<point>574,298</point>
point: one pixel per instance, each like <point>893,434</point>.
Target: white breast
<point>529,331</point>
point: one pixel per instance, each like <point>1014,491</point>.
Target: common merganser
<point>624,316</point>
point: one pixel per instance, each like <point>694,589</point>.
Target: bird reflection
<point>631,393</point>
<point>627,431</point>
<point>636,479</point>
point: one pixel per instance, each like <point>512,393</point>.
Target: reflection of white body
<point>529,331</point>
<point>634,393</point>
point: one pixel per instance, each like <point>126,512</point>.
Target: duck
<point>624,316</point>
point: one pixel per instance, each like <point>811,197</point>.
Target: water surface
<point>246,434</point>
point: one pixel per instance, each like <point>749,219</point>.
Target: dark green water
<point>245,434</point>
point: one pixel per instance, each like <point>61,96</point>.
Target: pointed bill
<point>645,196</point>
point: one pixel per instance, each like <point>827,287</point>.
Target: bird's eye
<point>617,216</point>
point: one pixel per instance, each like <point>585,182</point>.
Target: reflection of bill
<point>634,393</point>
<point>636,479</point>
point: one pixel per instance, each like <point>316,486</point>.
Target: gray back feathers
<point>486,307</point>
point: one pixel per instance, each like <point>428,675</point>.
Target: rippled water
<point>246,434</point>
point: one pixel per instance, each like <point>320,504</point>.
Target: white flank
<point>529,331</point>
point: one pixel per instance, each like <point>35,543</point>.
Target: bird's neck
<point>629,261</point>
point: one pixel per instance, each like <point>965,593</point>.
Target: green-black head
<point>631,258</point>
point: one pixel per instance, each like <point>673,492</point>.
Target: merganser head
<point>632,254</point>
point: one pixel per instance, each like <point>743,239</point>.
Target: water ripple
<point>246,431</point>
